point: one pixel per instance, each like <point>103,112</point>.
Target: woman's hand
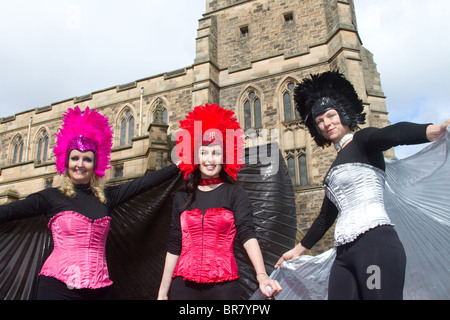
<point>291,254</point>
<point>434,131</point>
<point>264,282</point>
<point>255,255</point>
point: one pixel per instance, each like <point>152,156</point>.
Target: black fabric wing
<point>24,246</point>
<point>267,182</point>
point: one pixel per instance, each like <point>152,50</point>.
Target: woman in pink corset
<point>79,211</point>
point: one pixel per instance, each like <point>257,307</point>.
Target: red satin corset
<point>207,246</point>
<point>78,258</point>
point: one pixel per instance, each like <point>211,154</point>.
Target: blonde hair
<point>97,185</point>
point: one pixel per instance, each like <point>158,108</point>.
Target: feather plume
<point>329,90</point>
<point>91,125</point>
<point>206,125</point>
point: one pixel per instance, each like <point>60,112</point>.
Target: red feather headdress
<point>205,125</point>
<point>87,131</point>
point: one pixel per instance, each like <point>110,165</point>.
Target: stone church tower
<point>250,54</point>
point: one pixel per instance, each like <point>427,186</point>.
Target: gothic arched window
<point>160,113</point>
<point>297,168</point>
<point>42,146</point>
<point>252,111</point>
<point>17,155</point>
<point>126,128</point>
<point>303,170</point>
<point>290,113</point>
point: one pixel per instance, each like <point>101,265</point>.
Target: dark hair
<point>193,180</point>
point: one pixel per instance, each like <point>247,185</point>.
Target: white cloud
<point>74,17</point>
<point>53,50</point>
<point>408,40</point>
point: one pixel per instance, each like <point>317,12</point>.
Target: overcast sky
<point>52,50</point>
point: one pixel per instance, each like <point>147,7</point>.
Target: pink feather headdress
<point>84,131</point>
<point>205,125</point>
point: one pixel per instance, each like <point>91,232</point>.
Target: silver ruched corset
<point>357,190</point>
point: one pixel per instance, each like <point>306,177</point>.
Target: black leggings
<point>52,289</point>
<point>189,290</point>
<point>371,267</point>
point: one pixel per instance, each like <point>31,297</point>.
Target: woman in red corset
<point>210,212</point>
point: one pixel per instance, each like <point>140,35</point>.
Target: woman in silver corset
<point>365,238</point>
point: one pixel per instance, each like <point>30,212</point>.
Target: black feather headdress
<point>329,90</point>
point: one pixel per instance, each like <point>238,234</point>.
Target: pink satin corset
<point>207,246</point>
<point>78,258</point>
